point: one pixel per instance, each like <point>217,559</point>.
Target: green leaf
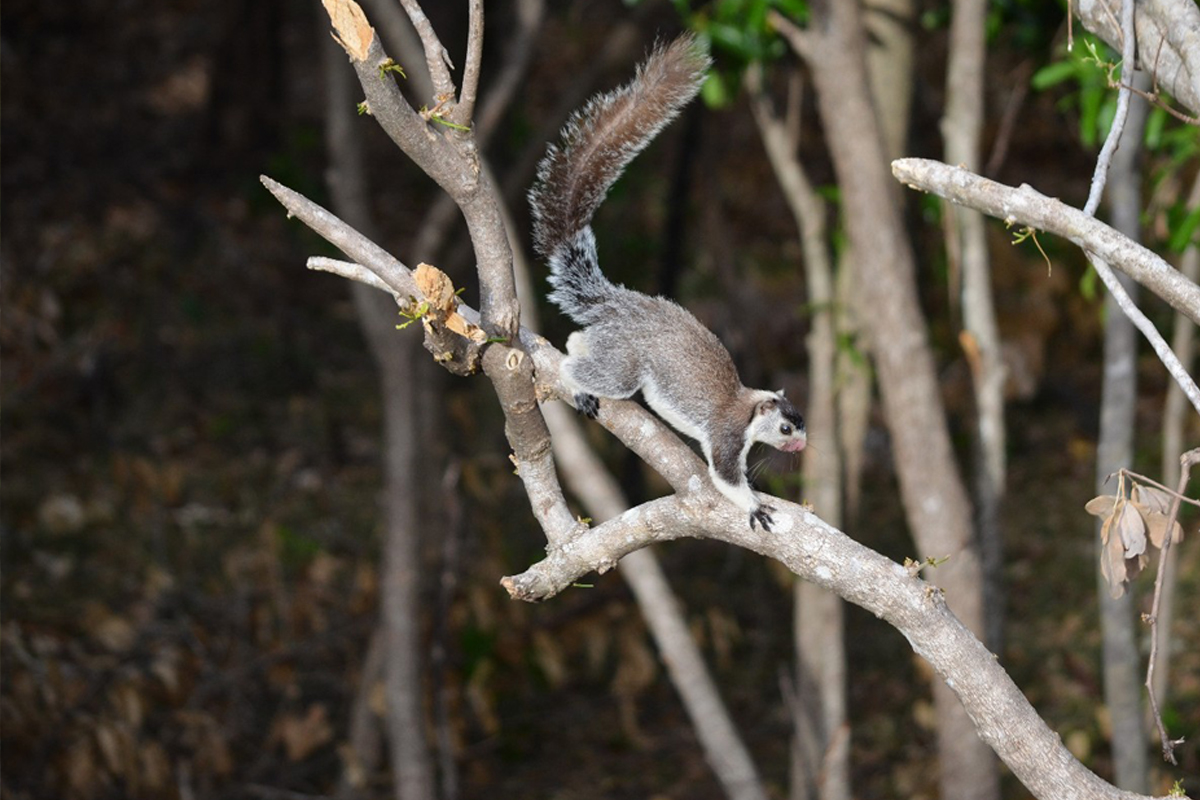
<point>1155,122</point>
<point>1088,284</point>
<point>1184,232</point>
<point>797,10</point>
<point>714,92</point>
<point>1053,74</point>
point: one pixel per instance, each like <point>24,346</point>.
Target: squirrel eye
<point>785,429</point>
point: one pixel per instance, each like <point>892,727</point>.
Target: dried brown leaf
<point>155,771</point>
<point>1132,529</point>
<point>1112,559</point>
<point>1153,499</point>
<point>1101,506</point>
<point>82,772</point>
<point>1156,528</point>
<point>302,735</point>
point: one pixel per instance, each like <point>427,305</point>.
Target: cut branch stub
<point>453,341</point>
<point>350,26</point>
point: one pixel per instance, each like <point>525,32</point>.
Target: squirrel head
<point>778,423</point>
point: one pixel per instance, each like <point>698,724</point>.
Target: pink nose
<point>795,445</point>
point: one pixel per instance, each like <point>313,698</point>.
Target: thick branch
<point>1026,206</point>
<point>660,520</point>
<point>819,553</point>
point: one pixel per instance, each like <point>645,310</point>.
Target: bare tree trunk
<point>412,767</point>
<point>935,499</point>
<point>400,366</point>
<point>889,26</point>
<point>1175,418</point>
<point>1118,406</point>
<point>820,754</point>
<point>967,245</point>
<point>889,74</point>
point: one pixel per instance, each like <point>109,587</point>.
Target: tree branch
<point>819,553</point>
<point>354,272</point>
<point>1113,140</point>
<point>1027,207</point>
<point>436,57</point>
<point>1104,245</point>
<point>465,109</point>
<point>799,39</point>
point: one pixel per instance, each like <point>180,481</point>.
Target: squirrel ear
<point>765,406</point>
<point>780,393</point>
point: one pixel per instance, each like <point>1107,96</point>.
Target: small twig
<point>1143,323</point>
<point>1113,140</point>
<point>1185,468</point>
<point>345,238</point>
<point>352,271</point>
<point>436,57</point>
<point>1155,97</point>
<point>461,115</point>
<point>505,82</point>
<point>1178,495</point>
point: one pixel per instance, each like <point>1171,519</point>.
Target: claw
<point>587,404</point>
<point>762,515</point>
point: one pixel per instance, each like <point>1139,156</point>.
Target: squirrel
<point>631,341</point>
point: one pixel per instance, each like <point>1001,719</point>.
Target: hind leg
<point>595,374</point>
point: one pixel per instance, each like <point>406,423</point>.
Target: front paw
<point>762,516</point>
<point>587,404</point>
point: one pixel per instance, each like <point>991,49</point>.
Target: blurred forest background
<point>191,518</point>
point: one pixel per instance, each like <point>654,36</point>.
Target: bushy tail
<point>598,142</point>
